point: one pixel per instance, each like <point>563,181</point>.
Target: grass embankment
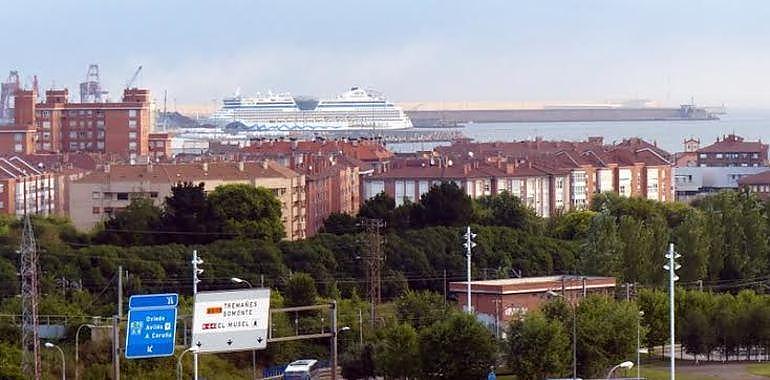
<point>759,369</point>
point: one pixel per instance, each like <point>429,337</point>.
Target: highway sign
<point>164,300</point>
<point>233,320</point>
<point>151,330</point>
<point>150,333</point>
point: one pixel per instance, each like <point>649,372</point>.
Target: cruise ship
<point>356,109</point>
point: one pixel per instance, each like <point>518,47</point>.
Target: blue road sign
<point>151,333</point>
<point>165,300</point>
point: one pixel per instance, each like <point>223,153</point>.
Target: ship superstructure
<point>356,109</point>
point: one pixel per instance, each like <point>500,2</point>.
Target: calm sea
<point>751,124</point>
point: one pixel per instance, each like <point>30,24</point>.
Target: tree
<point>458,347</point>
<point>654,304</point>
<point>358,362</point>
<point>420,308</point>
<point>300,290</point>
<point>689,241</point>
<point>398,352</point>
<point>446,205</point>
<point>187,213</point>
<point>508,210</point>
<point>133,225</point>
<point>606,333</point>
<point>340,223</point>
<point>378,207</point>
<point>602,246</point>
<point>537,347</point>
<point>247,211</point>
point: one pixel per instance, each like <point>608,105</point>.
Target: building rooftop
<point>733,144</point>
<point>762,178</point>
<point>189,172</point>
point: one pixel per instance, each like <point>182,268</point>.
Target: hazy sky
<point>412,50</point>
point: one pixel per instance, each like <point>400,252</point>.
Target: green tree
<point>654,304</point>
<point>446,205</point>
<point>420,308</point>
<point>187,215</point>
<point>247,211</point>
<point>133,225</point>
<point>378,207</point>
<point>300,290</point>
<point>537,347</point>
<point>458,347</point>
<point>358,362</point>
<point>398,352</point>
<point>606,334</point>
<point>508,210</point>
<point>602,247</point>
<point>340,223</point>
<point>10,362</point>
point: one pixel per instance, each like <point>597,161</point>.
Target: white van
<point>302,370</point>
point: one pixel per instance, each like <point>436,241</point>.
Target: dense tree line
<point>237,229</point>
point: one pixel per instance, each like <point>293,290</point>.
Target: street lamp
<point>639,345</point>
<point>77,334</point>
<point>237,280</point>
<point>63,364</point>
<point>626,365</point>
<point>551,293</point>
<point>192,349</point>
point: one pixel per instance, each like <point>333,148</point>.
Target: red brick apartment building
<point>547,175</point>
<point>117,129</point>
<point>732,150</point>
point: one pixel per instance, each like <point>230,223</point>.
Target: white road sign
<point>234,320</point>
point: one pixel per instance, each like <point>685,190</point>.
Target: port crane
<point>133,77</point>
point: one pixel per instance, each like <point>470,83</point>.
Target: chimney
<point>240,166</point>
<point>205,167</point>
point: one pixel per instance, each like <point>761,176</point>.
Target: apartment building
<point>757,183</point>
<point>331,187</point>
<point>26,188</point>
<point>119,129</point>
<point>96,196</point>
<point>733,150</point>
<point>19,137</point>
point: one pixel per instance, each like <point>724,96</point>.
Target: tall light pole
<point>469,244</point>
<point>195,262</point>
<point>671,267</point>
<point>639,345</point>
<point>237,280</point>
<point>77,341</point>
<point>63,362</point>
<point>574,330</point>
<point>192,349</point>
<point>626,365</point>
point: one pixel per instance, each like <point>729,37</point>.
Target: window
<point>132,123</point>
<point>153,194</point>
<point>46,125</point>
<point>100,135</point>
<point>73,135</point>
<point>18,137</point>
<point>755,155</point>
<point>132,145</point>
<point>131,113</point>
<point>100,145</point>
<point>122,196</point>
<point>132,135</point>
<point>96,210</point>
<point>17,148</point>
<point>96,195</point>
<point>703,155</point>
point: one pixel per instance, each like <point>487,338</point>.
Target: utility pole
<point>116,348</point>
<point>374,261</point>
<point>469,244</point>
<point>30,342</point>
<point>671,267</point>
<point>120,291</point>
<point>195,262</point>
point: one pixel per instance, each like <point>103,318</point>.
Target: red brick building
<point>118,129</point>
<point>757,183</point>
<point>732,150</point>
<point>159,145</point>
<point>496,302</point>
<point>19,137</point>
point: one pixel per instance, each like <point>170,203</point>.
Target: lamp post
<point>77,341</point>
<point>626,365</point>
<point>63,363</point>
<point>192,349</point>
<point>237,280</point>
<point>639,345</point>
<point>574,330</point>
<point>671,267</point>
